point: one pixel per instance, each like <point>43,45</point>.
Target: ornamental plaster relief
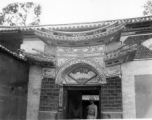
<point>114,70</point>
<point>99,60</point>
<point>62,69</point>
<point>80,51</point>
<point>61,61</point>
<point>80,55</point>
<point>69,56</point>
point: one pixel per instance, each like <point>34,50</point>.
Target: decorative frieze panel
<point>81,51</point>
<point>74,55</point>
<point>114,70</point>
<point>49,72</point>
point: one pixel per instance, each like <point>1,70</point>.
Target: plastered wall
<point>129,71</point>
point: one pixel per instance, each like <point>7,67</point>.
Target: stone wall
<point>111,98</point>
<point>13,87</point>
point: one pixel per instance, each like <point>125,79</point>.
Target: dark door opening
<point>81,96</point>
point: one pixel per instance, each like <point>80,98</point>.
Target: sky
<point>78,11</point>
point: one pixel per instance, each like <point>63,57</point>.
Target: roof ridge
<point>81,23</point>
<point>14,54</point>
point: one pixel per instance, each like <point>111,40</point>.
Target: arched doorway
<point>79,80</point>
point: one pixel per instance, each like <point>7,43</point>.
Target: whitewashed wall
<point>129,70</point>
<point>30,43</point>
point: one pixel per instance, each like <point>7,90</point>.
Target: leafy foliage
<point>147,8</point>
<point>21,14</point>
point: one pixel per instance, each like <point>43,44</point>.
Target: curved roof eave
<point>84,36</point>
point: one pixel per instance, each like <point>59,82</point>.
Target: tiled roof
<point>77,25</point>
<point>123,54</point>
<point>132,49</point>
<point>121,51</point>
<point>15,55</point>
<point>94,37</point>
<point>39,59</point>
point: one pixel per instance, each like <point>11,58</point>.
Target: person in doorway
<point>92,109</point>
<point>76,114</point>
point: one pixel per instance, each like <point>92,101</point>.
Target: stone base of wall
<point>112,115</point>
<point>47,115</point>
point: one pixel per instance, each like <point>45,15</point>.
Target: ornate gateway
<point>80,56</point>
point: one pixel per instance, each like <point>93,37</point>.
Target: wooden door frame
<point>65,96</point>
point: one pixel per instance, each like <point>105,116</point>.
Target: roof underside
<point>97,36</point>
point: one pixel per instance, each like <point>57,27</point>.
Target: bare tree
<point>21,14</point>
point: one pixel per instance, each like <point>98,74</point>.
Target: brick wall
<point>111,98</point>
<point>49,95</point>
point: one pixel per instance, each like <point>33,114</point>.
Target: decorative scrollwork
<point>62,70</point>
